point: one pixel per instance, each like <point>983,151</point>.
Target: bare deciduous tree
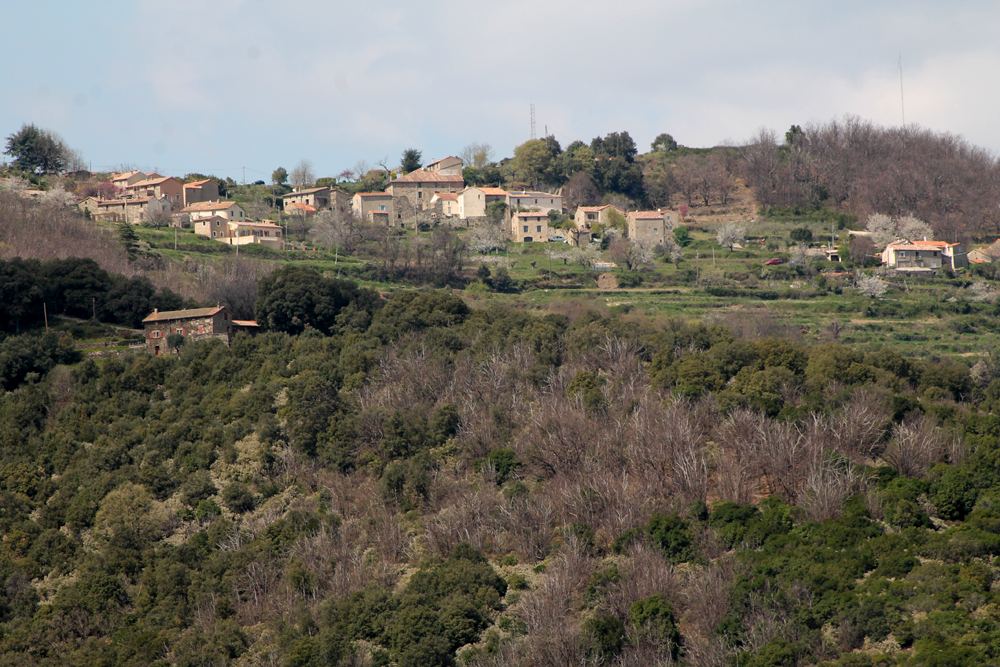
<point>477,155</point>
<point>302,175</point>
<point>918,444</point>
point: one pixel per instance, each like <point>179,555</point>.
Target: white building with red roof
<point>472,201</point>
<point>924,256</point>
<point>228,210</point>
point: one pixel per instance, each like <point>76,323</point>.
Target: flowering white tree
<point>886,229</point>
<point>671,250</point>
<point>58,197</point>
<point>910,227</point>
<point>882,228</point>
<point>871,286</point>
<point>730,234</point>
<point>487,237</point>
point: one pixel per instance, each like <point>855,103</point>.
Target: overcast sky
<point>217,86</point>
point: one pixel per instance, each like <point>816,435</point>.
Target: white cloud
<point>241,81</point>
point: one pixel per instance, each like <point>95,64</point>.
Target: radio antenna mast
<point>532,121</point>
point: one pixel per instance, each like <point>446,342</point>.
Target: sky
<point>234,87</point>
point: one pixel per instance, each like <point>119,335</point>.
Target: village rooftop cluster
<point>433,194</point>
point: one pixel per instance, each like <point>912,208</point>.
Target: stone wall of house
<point>197,328</point>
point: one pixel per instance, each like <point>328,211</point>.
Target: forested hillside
<point>405,480</point>
<point>862,168</point>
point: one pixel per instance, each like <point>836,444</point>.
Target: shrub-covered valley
<point>403,480</point>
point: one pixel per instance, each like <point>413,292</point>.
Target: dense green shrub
<point>672,535</point>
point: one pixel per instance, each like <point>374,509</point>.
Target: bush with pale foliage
<point>871,286</point>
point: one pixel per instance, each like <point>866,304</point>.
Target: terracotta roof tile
<point>208,206</point>
<point>198,184</point>
<point>647,215</point>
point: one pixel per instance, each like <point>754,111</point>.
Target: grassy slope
<point>917,315</point>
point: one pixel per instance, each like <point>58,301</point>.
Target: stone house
<point>420,185</point>
<point>472,201</point>
<point>364,204</point>
<point>985,254</point>
<point>588,216</point>
<point>229,210</point>
<point>648,228</point>
<point>924,256</point>
<point>214,227</point>
<point>193,323</point>
<point>206,189</point>
<point>122,180</point>
<point>239,232</point>
<point>530,200</point>
<point>449,166</point>
<point>159,187</point>
<point>134,210</point>
<point>318,198</point>
<point>529,226</point>
<point>448,202</point>
<point>244,232</point>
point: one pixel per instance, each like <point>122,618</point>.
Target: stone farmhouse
<point>204,190</point>
<point>529,226</point>
<point>588,216</point>
<point>472,201</point>
<point>194,324</point>
<point>420,185</point>
<point>648,228</point>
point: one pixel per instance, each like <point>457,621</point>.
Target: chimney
<point>156,310</point>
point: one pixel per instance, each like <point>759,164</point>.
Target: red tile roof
<point>448,196</point>
<point>208,206</point>
<point>153,181</point>
<point>198,184</point>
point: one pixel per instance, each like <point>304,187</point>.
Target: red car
<point>774,261</point>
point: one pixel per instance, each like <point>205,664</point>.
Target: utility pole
<point>45,314</point>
